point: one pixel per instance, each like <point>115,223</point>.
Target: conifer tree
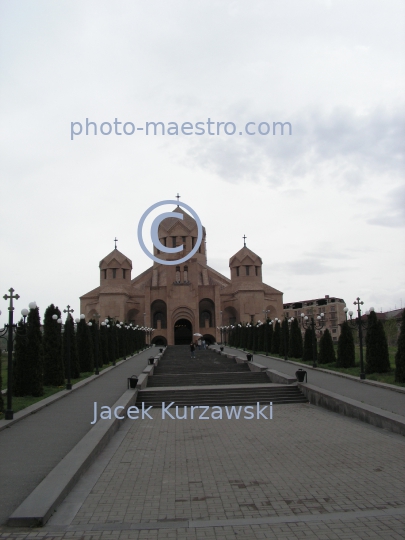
<point>34,354</point>
<point>400,354</point>
<point>275,344</point>
<point>121,349</point>
<point>95,336</point>
<point>54,373</point>
<point>269,337</point>
<point>104,352</point>
<point>284,338</point>
<point>128,348</point>
<point>70,334</point>
<point>295,345</point>
<point>112,340</point>
<point>377,355</point>
<point>307,354</point>
<point>326,350</point>
<point>84,347</point>
<point>1,379</point>
<point>346,352</point>
<point>20,368</point>
<point>243,336</point>
<point>260,338</point>
<point>255,333</point>
<point>249,330</point>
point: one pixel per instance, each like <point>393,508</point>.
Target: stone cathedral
<point>179,301</point>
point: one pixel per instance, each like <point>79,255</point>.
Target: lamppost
<point>68,310</point>
<point>231,338</point>
<point>247,335</point>
<point>227,335</point>
<point>220,328</point>
<point>220,314</point>
<point>148,334</point>
<point>254,330</point>
<point>11,329</point>
<point>314,326</point>
<point>266,312</point>
<point>360,326</point>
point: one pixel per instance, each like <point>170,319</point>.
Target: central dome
<point>174,232</point>
<point>168,223</point>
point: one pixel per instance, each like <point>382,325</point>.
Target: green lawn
<point>387,378</point>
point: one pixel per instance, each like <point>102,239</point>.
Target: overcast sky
<point>323,207</point>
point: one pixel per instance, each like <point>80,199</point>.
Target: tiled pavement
<point>308,473</point>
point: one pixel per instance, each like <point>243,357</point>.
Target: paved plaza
<point>308,473</point>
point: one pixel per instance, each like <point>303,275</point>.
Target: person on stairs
<point>192,350</point>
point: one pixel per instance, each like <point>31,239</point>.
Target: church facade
<point>178,301</point>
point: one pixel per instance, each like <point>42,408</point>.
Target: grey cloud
<point>350,146</point>
<point>393,213</point>
<point>308,267</point>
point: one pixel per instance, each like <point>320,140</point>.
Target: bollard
<point>132,381</point>
<point>301,374</point>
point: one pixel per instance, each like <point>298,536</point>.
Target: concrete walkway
<point>32,447</point>
<point>383,398</point>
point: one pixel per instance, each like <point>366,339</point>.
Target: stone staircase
<point>211,379</point>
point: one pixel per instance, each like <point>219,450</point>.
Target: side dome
<point>246,265</point>
<point>115,266</point>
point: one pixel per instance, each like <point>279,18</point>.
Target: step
<point>206,379</point>
<point>207,401</point>
<point>231,396</point>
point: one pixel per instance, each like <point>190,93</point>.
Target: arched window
<point>158,316</point>
<point>177,274</point>
<point>158,311</point>
<point>205,315</point>
<point>185,274</point>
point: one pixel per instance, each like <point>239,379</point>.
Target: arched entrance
<point>159,340</point>
<point>183,332</point>
<point>209,339</point>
